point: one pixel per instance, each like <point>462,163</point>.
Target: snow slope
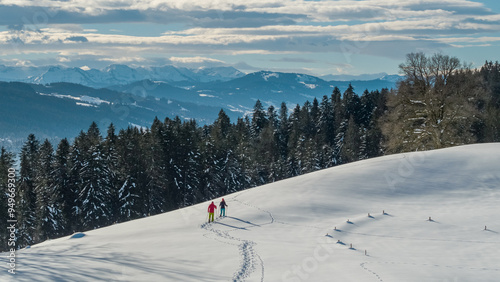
<point>285,231</point>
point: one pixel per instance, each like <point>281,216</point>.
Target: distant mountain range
<point>115,74</point>
<point>55,102</point>
<point>123,75</point>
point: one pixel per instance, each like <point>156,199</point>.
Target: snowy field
<point>285,231</point>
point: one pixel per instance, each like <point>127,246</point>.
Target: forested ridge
<point>101,178</point>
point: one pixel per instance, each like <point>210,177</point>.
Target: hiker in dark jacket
<point>223,206</point>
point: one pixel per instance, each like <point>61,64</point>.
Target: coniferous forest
<point>104,177</point>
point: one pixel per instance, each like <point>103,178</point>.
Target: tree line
<point>100,179</point>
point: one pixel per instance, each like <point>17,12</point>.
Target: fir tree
<point>352,142</point>
<point>95,186</point>
<point>352,104</point>
<point>326,126</point>
<point>258,119</point>
<point>111,159</point>
<point>50,181</point>
<point>171,145</point>
<point>242,152</point>
<point>47,221</point>
<point>211,167</point>
<point>190,167</point>
<point>221,129</point>
<point>77,161</point>
<point>6,163</point>
<point>26,196</point>
<point>283,133</point>
<point>338,108</point>
<point>131,175</point>
<point>338,155</point>
<point>63,188</point>
<point>223,155</point>
<point>156,169</point>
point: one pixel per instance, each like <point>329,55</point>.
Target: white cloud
<point>242,28</point>
<point>197,59</point>
<point>482,39</point>
<point>123,60</point>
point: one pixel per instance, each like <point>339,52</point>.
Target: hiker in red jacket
<point>211,211</point>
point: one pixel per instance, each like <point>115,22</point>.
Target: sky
<point>316,37</point>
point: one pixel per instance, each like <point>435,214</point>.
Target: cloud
<point>294,60</point>
<point>122,59</point>
<point>77,39</point>
<point>238,13</point>
<point>190,32</point>
<point>196,62</point>
<point>197,59</point>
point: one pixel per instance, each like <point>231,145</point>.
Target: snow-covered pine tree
<point>282,137</point>
<point>307,127</point>
<point>339,143</point>
<point>242,152</point>
<point>48,211</point>
<point>314,115</point>
<point>221,146</point>
<point>326,119</point>
<point>111,158</point>
<point>338,109</point>
<point>6,162</point>
<point>374,107</point>
<point>210,162</point>
<point>352,104</point>
<point>374,136</point>
<point>259,119</point>
<point>95,187</point>
<point>219,151</point>
<point>302,154</point>
<point>283,132</point>
<point>367,107</point>
<point>156,169</point>
<point>352,142</point>
<point>26,196</point>
<point>362,149</point>
<point>76,163</point>
<point>63,190</point>
<point>190,166</point>
<point>488,129</point>
<point>265,154</point>
<point>170,144</point>
<point>131,175</point>
<point>293,164</point>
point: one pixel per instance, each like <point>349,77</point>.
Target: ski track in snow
<point>419,265</point>
<point>245,246</point>
<point>249,258</point>
<point>363,265</point>
<point>255,207</point>
<point>420,239</point>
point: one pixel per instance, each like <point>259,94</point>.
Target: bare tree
<point>434,107</point>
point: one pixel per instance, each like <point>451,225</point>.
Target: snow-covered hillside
<point>302,229</point>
